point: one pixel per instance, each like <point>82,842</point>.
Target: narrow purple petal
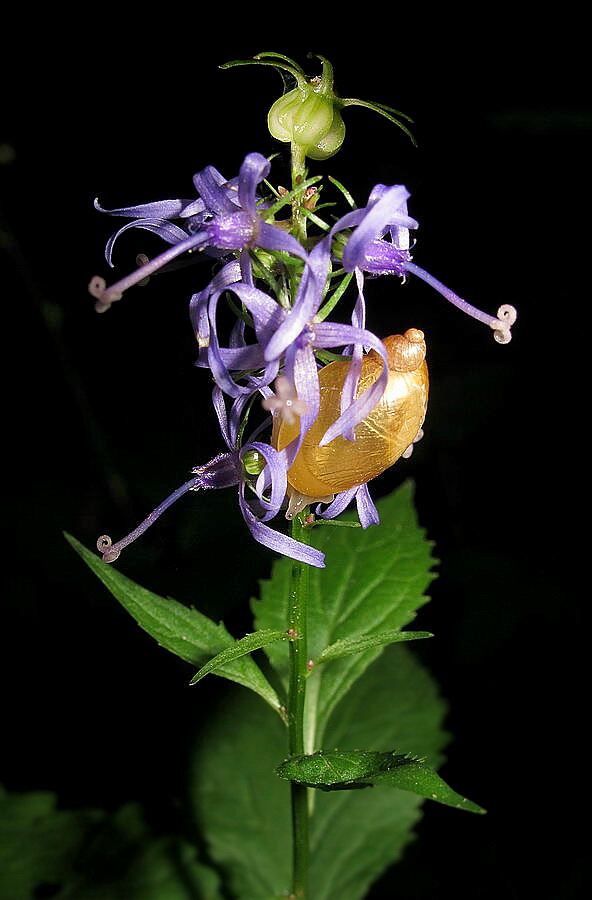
<point>198,314</point>
<point>295,321</point>
<point>367,512</point>
<point>267,314</point>
<point>169,232</point>
<point>253,170</point>
<point>303,373</point>
<point>160,209</point>
<point>336,507</point>
<point>237,359</point>
<point>280,543</point>
<point>350,384</point>
<point>272,238</point>
<point>214,191</point>
<point>219,405</point>
<point>331,334</point>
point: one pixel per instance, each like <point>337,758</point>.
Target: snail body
<point>380,439</point>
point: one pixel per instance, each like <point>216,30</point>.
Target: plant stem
<point>296,698</point>
<point>298,176</point>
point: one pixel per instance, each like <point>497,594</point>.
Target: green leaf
<point>349,646</point>
<point>240,648</point>
<point>374,581</point>
<point>243,808</point>
<point>184,631</point>
<point>89,855</point>
<point>342,769</point>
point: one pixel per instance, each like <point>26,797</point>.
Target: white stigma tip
<point>506,316</point>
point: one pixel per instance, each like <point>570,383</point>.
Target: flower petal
<point>169,232</point>
<point>216,192</point>
<point>331,334</point>
<point>281,543</point>
<point>254,168</point>
<point>378,217</point>
<point>160,209</point>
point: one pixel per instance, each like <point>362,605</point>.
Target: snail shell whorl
<point>406,352</point>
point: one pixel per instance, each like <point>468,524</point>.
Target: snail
<point>318,473</point>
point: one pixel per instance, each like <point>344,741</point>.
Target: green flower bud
<point>306,117</point>
<point>309,116</point>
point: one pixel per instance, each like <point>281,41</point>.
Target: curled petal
<point>280,543</point>
<point>337,506</point>
<point>274,475</point>
<point>169,232</point>
<point>198,305</point>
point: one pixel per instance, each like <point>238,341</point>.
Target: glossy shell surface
<point>380,439</point>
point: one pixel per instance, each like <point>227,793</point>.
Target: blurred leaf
<point>374,581</point>
<point>343,769</point>
<point>184,631</point>
<point>243,808</point>
<point>90,855</point>
<point>39,844</point>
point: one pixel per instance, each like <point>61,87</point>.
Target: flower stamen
<point>111,551</point>
<point>501,324</point>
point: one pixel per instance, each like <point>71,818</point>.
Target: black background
<point>106,414</point>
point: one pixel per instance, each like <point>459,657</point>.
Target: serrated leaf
<point>244,808</point>
<point>248,644</point>
<point>343,769</point>
<point>374,581</point>
<point>182,630</point>
<point>349,646</point>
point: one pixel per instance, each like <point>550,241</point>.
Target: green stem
<point>298,176</point>
<point>296,699</point>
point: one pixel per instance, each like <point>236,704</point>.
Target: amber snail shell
<point>380,439</point>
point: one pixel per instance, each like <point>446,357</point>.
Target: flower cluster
<point>282,288</point>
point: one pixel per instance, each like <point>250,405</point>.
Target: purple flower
<point>367,250</point>
<point>259,500</point>
<point>288,338</point>
<point>226,218</point>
